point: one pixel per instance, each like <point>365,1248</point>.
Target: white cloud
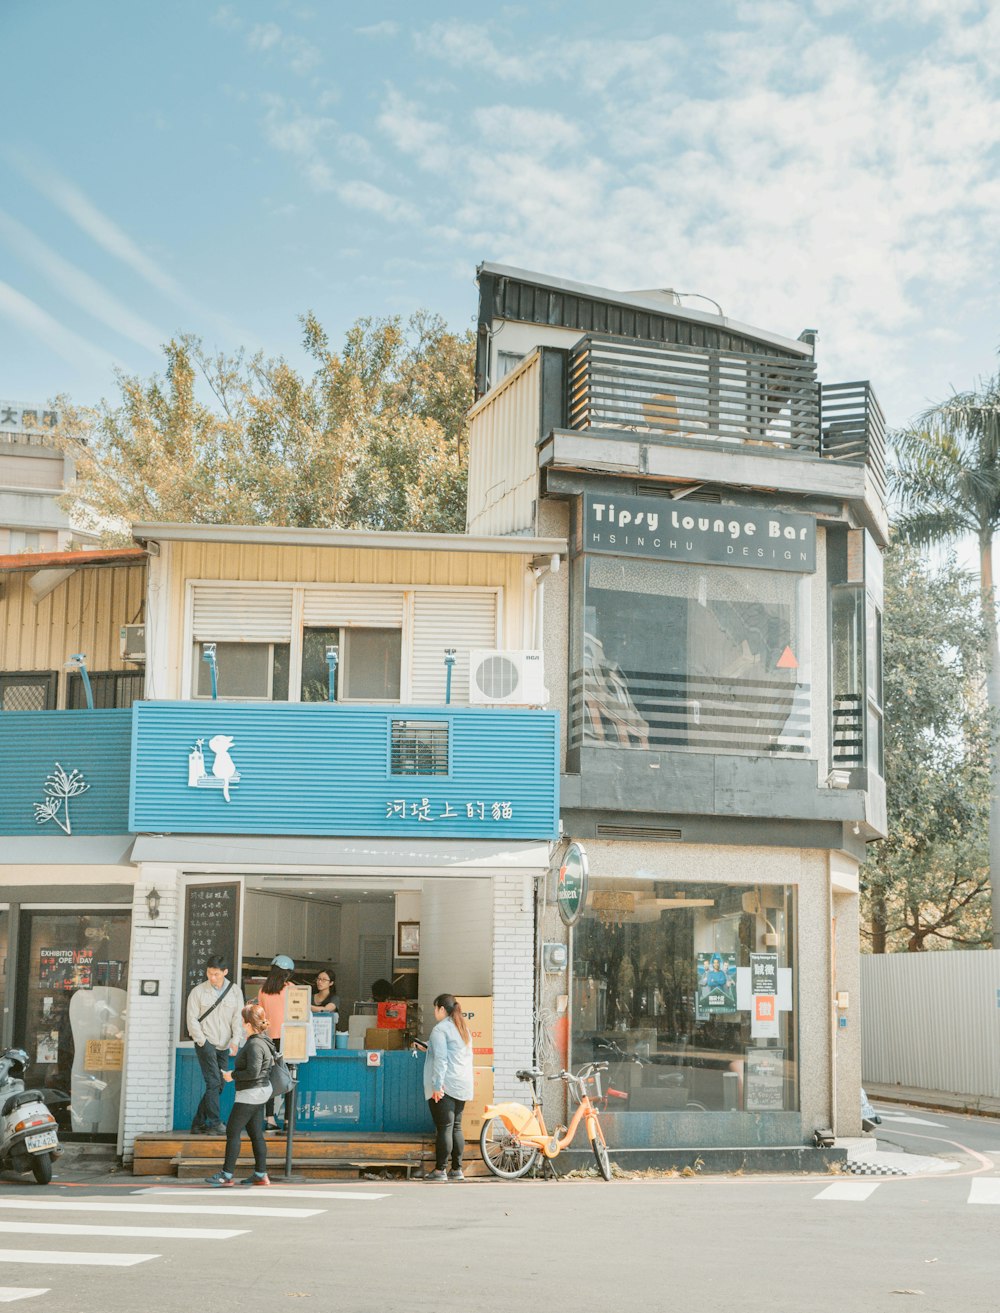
<point>62,341</point>
<point>264,36</point>
<point>300,55</point>
<point>417,137</point>
<point>469,45</point>
<point>79,287</point>
<point>304,137</point>
<point>387,28</point>
<point>366,196</point>
<point>511,127</point>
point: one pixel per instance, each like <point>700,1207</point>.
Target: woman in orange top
<point>271,998</point>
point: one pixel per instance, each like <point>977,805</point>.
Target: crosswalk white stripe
<point>174,1210</point>
<point>135,1232</point>
<point>65,1258</point>
<point>849,1191</point>
<point>273,1192</point>
<point>9,1294</point>
<point>984,1190</point>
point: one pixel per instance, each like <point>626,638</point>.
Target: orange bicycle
<point>514,1136</point>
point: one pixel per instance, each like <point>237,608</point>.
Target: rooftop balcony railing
<point>674,393</point>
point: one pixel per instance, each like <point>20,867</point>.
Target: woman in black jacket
<point>251,1073</point>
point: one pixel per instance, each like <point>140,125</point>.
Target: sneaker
<point>220,1179</point>
<point>435,1176</point>
<point>218,1128</point>
<point>272,1128</point>
<point>256,1180</point>
<point>456,1175</point>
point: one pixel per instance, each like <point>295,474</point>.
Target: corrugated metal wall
<point>95,743</point>
<point>83,614</point>
<point>503,463</point>
<point>242,565</point>
<point>932,1021</point>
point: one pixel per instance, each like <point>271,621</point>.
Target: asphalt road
<point>799,1244</point>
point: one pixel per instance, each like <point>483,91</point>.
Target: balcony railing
<point>672,393</point>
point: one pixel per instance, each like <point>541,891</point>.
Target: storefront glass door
<point>70,1011</point>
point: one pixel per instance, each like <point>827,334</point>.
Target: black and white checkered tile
<point>866,1167</point>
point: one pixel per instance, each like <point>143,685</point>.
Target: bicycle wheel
<point>600,1149</point>
<point>503,1153</point>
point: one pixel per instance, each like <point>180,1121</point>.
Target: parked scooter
<point>28,1138</point>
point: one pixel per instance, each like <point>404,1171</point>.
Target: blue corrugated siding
<point>391,1095</point>
<point>95,743</point>
<point>317,768</point>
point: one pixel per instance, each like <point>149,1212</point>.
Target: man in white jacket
<point>216,1026</point>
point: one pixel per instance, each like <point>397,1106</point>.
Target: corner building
<point>714,645</point>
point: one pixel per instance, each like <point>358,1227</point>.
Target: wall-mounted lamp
<point>79,662</point>
<point>449,666</point>
<point>332,657</point>
<point>208,656</point>
<point>153,903</point>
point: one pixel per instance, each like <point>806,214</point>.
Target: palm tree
<point>947,483</point>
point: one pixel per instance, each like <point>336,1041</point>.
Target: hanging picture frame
<point>408,939</point>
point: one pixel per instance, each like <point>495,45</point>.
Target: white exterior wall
<point>152,1028</point>
<point>513,981</point>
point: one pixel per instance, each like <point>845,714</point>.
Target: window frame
<point>447,721</point>
<point>32,678</point>
<point>198,643</point>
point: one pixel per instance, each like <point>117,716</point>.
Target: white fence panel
<point>932,1021</point>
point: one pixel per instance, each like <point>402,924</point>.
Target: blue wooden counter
<point>337,1091</point>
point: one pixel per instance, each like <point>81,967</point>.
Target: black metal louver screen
<point>419,747</point>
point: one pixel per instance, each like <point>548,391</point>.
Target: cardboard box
<point>385,1039</point>
<point>482,1094</point>
<point>392,1016</point>
<point>479,1014</point>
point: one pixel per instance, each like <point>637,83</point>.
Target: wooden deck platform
<point>321,1156</point>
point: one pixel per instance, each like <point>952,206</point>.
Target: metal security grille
<point>419,747</point>
<point>111,688</point>
<point>31,692</point>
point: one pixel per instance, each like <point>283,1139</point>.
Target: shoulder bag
<point>280,1076</point>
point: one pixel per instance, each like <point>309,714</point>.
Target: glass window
<point>687,656</point>
<point>4,944</point>
<point>368,666</point>
<point>253,671</point>
<point>847,676</point>
<point>667,972</point>
<point>70,1015</point>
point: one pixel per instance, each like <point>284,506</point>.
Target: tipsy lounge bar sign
<point>702,532</point>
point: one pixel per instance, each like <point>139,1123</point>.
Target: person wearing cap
<point>271,998</point>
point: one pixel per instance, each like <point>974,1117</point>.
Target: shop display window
<point>683,656</point>
<point>70,1014</point>
<point>696,981</point>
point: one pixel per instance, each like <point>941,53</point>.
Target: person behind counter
<point>447,1085</point>
<point>324,997</point>
<point>271,998</point>
<point>251,1074</point>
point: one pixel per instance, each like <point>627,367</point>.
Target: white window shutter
<point>462,620</point>
<point>376,608</point>
<point>242,615</point>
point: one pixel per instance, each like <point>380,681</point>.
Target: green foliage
<point>927,885</point>
<point>374,438</point>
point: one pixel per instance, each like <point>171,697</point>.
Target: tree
<point>374,438</point>
<point>927,884</point>
<point>947,482</point>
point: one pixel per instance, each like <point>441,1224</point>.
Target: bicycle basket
<point>592,1084</point>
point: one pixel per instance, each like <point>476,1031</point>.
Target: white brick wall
<point>151,1031</point>
<point>513,981</point>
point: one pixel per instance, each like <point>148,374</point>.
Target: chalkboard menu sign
<point>211,926</point>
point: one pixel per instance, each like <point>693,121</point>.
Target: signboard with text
<point>701,532</point>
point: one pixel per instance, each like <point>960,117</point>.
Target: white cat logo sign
<point>223,774</point>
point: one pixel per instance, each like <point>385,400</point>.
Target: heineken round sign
<point>571,887</point>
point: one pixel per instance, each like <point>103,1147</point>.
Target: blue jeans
<point>212,1062</point>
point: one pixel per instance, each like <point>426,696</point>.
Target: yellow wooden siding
<point>83,614</point>
<point>247,563</point>
<point>503,461</point>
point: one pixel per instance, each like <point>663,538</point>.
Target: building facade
<point>34,473</point>
<point>714,645</point>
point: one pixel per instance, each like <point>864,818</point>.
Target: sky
<point>222,169</point>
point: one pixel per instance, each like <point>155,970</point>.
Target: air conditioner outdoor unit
<point>507,679</point>
<point>132,642</point>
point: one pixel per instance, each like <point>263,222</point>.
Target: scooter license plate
<point>39,1143</point>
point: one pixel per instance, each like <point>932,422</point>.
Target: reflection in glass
<point>662,970</point>
<point>685,656</point>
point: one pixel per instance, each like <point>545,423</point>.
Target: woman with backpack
<point>252,1076</point>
